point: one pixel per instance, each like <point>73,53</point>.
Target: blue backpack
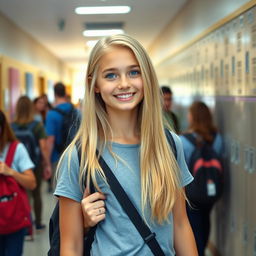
<point>69,126</point>
<point>25,134</point>
<point>206,167</point>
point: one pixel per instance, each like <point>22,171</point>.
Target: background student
<point>24,121</point>
<point>11,244</point>
<point>169,115</point>
<point>202,128</point>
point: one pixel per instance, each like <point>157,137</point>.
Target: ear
<point>96,89</point>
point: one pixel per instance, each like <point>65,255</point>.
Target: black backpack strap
<point>62,112</point>
<point>131,211</point>
<point>32,125</point>
<point>171,142</point>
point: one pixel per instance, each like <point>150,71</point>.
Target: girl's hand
<point>5,169</point>
<point>93,208</point>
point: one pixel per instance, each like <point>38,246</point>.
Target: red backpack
<point>14,203</point>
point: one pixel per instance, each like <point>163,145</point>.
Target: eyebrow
<point>115,69</point>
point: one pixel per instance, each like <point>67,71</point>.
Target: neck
<point>124,127</point>
<point>59,100</point>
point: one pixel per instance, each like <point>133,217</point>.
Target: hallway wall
<point>26,66</point>
<point>17,44</point>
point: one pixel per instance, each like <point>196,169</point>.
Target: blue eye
<point>110,76</point>
<point>134,73</point>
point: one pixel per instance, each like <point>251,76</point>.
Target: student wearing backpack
<point>32,134</point>
<point>122,119</point>
<point>203,148</point>
<point>18,173</point>
<point>59,121</point>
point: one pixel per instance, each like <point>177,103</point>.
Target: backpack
<point>149,238</point>
<point>69,127</point>
<point>206,167</point>
<point>14,202</point>
<point>25,134</point>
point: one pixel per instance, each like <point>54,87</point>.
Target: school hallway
<point>203,50</point>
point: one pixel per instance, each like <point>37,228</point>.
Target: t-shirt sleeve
<point>40,131</point>
<point>68,177</point>
<point>188,147</point>
<point>186,176</point>
<point>21,161</point>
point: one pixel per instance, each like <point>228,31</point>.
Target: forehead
<point>117,56</point>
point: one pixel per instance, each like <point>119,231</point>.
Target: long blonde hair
<point>160,181</point>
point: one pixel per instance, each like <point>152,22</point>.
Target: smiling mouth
<point>125,96</point>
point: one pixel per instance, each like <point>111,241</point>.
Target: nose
<point>124,82</point>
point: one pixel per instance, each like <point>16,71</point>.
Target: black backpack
<point>129,208</point>
<point>206,167</point>
<point>25,134</point>
<point>69,127</point>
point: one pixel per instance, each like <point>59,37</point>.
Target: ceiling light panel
<point>102,32</point>
<point>103,10</point>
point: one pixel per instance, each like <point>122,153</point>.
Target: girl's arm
<point>46,157</point>
<point>71,227</point>
<point>26,179</point>
<point>184,241</point>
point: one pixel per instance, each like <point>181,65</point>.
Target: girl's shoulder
<point>177,141</point>
<point>70,157</point>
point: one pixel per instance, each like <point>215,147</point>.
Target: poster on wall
<point>29,85</point>
<point>14,87</point>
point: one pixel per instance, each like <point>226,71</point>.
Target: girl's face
<point>119,80</point>
<point>40,105</point>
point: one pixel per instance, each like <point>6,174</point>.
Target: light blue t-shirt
<point>116,235</point>
<point>21,160</point>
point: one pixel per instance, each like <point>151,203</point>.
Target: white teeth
<point>124,96</point>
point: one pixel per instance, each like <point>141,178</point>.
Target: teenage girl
<point>122,119</point>
<point>11,244</point>
<point>25,117</point>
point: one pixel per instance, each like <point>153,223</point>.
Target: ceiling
<point>41,19</point>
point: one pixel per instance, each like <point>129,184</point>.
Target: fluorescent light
<point>102,32</point>
<point>103,10</point>
<point>91,43</point>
